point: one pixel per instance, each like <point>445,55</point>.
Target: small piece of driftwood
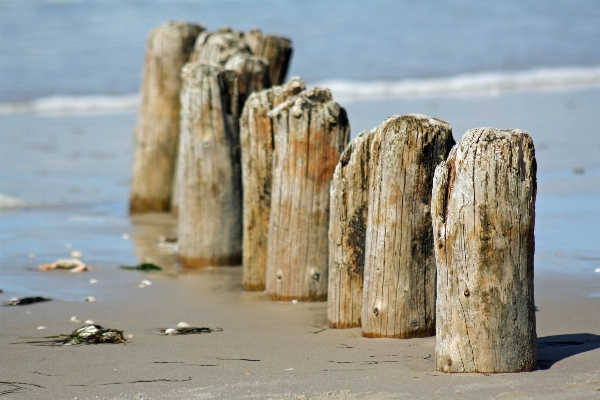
<point>210,193</point>
<point>483,210</point>
<point>257,143</point>
<point>311,131</point>
<point>157,131</point>
<point>400,270</point>
<point>347,233</point>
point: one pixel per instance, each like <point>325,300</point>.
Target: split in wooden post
<point>210,200</point>
<point>400,271</point>
<point>483,209</point>
<point>157,131</point>
<point>347,233</point>
<point>257,143</point>
<point>311,131</point>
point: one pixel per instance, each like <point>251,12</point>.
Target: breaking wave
<point>486,83</point>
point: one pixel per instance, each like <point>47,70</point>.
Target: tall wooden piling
<point>217,48</point>
<point>400,271</point>
<point>311,131</point>
<point>276,49</point>
<point>157,131</point>
<point>347,233</point>
<point>483,210</point>
<point>257,143</point>
<point>210,199</point>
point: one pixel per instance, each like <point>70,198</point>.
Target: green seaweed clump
<point>146,267</point>
<point>94,334</point>
<point>188,331</point>
<point>25,301</point>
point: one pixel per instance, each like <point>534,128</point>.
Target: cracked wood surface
<point>483,209</point>
<point>210,198</point>
<point>257,143</point>
<point>347,233</point>
<point>157,130</point>
<point>311,132</point>
<point>400,270</point>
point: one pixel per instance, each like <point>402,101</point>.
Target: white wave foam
<point>491,83</point>
<point>7,202</point>
<point>74,104</point>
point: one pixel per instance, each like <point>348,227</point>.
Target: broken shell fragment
<point>145,283</point>
<point>75,319</point>
<point>171,331</point>
<point>88,321</point>
<point>183,325</point>
<point>72,264</point>
<point>90,299</point>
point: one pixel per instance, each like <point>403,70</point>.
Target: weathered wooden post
<point>400,271</point>
<point>257,143</point>
<point>217,48</point>
<point>157,131</point>
<point>347,233</point>
<point>483,209</point>
<point>276,49</point>
<point>311,131</point>
<point>210,199</point>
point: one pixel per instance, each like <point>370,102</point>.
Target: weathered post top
<point>218,47</point>
<point>277,49</point>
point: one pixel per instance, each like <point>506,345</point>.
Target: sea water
<point>95,48</point>
<point>65,172</point>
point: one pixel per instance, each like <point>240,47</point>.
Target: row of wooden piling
<point>404,232</point>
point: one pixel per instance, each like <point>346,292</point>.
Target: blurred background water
<point>96,47</point>
<point>64,178</point>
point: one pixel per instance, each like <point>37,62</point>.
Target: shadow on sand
<point>552,349</point>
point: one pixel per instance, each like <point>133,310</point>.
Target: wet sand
<point>72,173</point>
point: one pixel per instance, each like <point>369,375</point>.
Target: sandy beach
<point>65,181</point>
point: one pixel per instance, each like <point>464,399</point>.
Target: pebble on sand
<point>90,299</point>
<point>76,254</point>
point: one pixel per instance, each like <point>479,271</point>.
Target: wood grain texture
<point>311,131</point>
<point>347,233</point>
<point>276,49</point>
<point>210,202</point>
<point>483,209</point>
<point>400,271</point>
<point>157,130</point>
<point>257,144</point>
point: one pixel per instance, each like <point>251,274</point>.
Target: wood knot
<point>316,277</point>
<point>376,312</point>
<point>467,293</point>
